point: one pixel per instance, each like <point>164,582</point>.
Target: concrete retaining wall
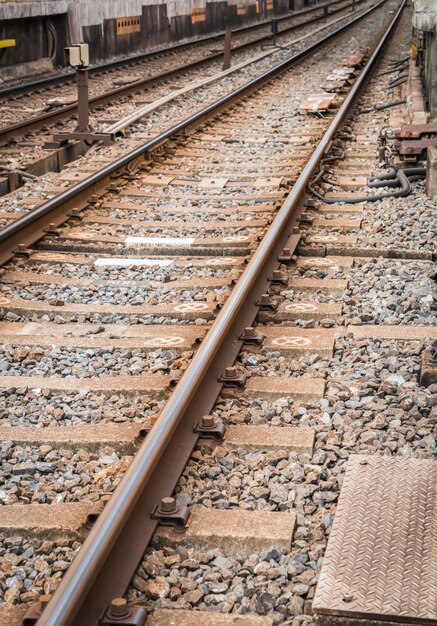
<point>43,28</point>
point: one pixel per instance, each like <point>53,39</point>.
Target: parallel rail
<point>122,532</point>
<point>28,229</point>
<point>67,111</point>
<point>143,56</point>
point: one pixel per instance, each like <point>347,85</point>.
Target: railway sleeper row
<point>294,403</point>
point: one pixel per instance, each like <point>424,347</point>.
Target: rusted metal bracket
<point>412,150</point>
<point>23,252</point>
<point>305,218</point>
<point>416,131</point>
<point>96,510</point>
<point>168,513</point>
<point>35,610</point>
<point>266,303</point>
<point>75,215</point>
<point>278,279</point>
<point>210,427</point>
<point>250,337</point>
<point>120,614</point>
<point>232,378</point>
<point>95,199</point>
<point>354,59</point>
<point>145,429</point>
<point>287,257</point>
<point>52,230</point>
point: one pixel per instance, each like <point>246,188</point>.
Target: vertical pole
<point>274,31</point>
<point>227,49</point>
<point>82,99</point>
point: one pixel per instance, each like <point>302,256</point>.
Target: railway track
<point>152,127</point>
<point>209,243</point>
<point>32,154</point>
<point>148,70</point>
<point>23,86</point>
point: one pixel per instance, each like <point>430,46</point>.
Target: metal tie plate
<point>381,561</point>
<point>416,131</point>
<point>317,102</point>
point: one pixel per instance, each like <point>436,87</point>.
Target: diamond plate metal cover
<point>381,559</point>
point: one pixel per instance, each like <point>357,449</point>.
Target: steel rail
<point>143,56</point>
<point>60,113</point>
<point>93,564</point>
<point>27,229</point>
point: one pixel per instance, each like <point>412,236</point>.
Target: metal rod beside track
<point>75,587</point>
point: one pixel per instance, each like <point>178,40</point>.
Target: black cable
<point>403,191</point>
<point>382,107</point>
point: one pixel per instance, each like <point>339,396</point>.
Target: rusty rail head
<point>75,591</point>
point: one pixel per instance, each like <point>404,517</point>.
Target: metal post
<point>83,131</point>
<point>82,100</point>
<point>227,48</point>
<point>274,31</point>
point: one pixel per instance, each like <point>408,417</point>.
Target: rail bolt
<point>265,303</point>
<point>250,337</point>
<point>168,505</point>
<point>286,256</point>
<point>278,278</point>
<point>118,608</point>
<point>210,427</point>
<point>52,229</point>
<point>232,378</point>
<point>347,596</point>
<point>207,421</point>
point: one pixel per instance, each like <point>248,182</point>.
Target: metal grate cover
<point>381,559</point>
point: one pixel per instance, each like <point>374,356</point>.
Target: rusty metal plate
<point>415,147</point>
<point>333,85</point>
<point>128,24</point>
<point>381,559</point>
<point>337,77</point>
<point>354,59</point>
<point>198,14</point>
<point>416,131</point>
<point>320,102</point>
<point>343,72</point>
